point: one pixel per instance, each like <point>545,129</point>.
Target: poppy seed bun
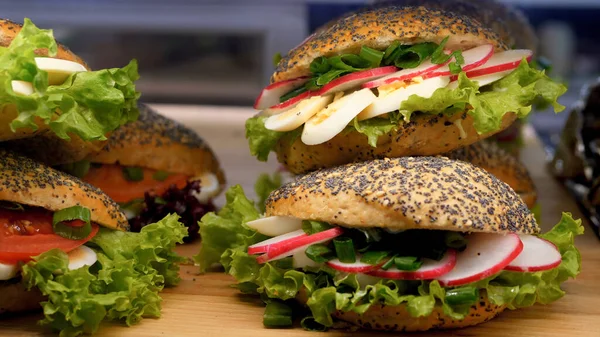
<point>159,143</point>
<point>405,193</point>
<point>15,298</point>
<point>492,158</point>
<point>424,135</point>
<point>378,28</point>
<point>28,182</point>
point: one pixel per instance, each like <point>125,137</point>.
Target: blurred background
<point>220,52</point>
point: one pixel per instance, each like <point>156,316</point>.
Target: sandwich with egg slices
<point>405,244</point>
<point>63,248</point>
<point>51,97</point>
<point>153,167</point>
<point>393,81</point>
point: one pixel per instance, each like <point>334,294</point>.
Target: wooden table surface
<point>206,305</point>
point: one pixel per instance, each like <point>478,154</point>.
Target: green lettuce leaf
<point>88,104</point>
<point>262,140</point>
<point>265,184</point>
<point>123,285</point>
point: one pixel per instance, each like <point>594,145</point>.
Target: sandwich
<point>153,167</point>
<point>404,244</point>
<point>55,109</point>
<point>394,81</point>
<point>64,249</point>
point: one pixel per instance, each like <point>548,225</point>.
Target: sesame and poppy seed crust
<point>377,28</point>
<point>424,135</point>
<point>406,193</point>
<point>25,181</point>
<point>159,143</point>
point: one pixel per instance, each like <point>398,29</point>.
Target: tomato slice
<point>111,180</point>
<point>24,234</point>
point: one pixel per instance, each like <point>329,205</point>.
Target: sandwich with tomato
<point>63,248</point>
<point>394,81</point>
<point>404,244</point>
<point>54,108</point>
<point>154,167</point>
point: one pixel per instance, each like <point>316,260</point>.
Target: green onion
<point>374,257</point>
<point>408,263</point>
<point>349,62</point>
<point>462,296</point>
<point>389,264</point>
<point>438,56</point>
<point>319,253</point>
<point>309,323</point>
<point>454,68</point>
<point>69,214</point>
<point>330,76</point>
<point>293,93</point>
<point>312,84</point>
<point>311,227</point>
<point>391,53</point>
<point>455,240</point>
<point>277,314</point>
<point>414,55</point>
<point>373,56</point>
<point>133,173</point>
<point>320,65</point>
<point>160,175</point>
<point>12,206</point>
<point>78,169</point>
<point>435,253</point>
<point>344,249</point>
<point>276,59</point>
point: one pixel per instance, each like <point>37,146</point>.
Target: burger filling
<point>374,91</point>
<point>88,274</point>
<point>147,195</point>
<point>352,269</point>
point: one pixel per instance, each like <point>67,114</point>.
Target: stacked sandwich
<point>402,219</point>
<point>64,244</point>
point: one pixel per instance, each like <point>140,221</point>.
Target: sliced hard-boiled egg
<point>483,80</point>
<point>335,117</point>
<point>389,101</point>
<point>81,256</point>
<point>275,225</point>
<point>8,271</point>
<point>22,87</point>
<point>293,118</point>
<point>209,187</point>
<point>58,70</point>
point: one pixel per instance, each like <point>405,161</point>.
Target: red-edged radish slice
<point>481,80</point>
<point>356,267</point>
<point>474,58</point>
<point>503,61</point>
<point>330,121</point>
<point>430,269</point>
<point>289,247</point>
<point>355,80</point>
<point>486,254</point>
<point>537,255</point>
<point>264,246</point>
<point>289,104</point>
<point>275,225</point>
<point>404,74</point>
<point>270,95</point>
<point>298,115</point>
<point>389,101</point>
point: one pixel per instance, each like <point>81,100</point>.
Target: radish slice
<point>430,269</point>
<point>537,255</point>
<point>270,95</point>
<point>356,267</point>
<point>354,80</point>
<point>503,61</point>
<point>404,74</point>
<point>474,58</point>
<point>486,254</point>
<point>290,246</point>
<point>300,260</point>
<point>263,247</point>
<point>275,225</point>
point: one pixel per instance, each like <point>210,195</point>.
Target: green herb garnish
<point>133,173</point>
<point>61,228</point>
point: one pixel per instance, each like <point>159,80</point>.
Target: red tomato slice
<point>111,180</point>
<point>24,234</point>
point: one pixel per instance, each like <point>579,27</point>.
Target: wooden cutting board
<point>206,305</point>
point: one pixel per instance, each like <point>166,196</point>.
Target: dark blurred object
<point>577,157</point>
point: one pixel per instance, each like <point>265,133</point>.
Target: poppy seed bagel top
<point>25,181</point>
<point>405,193</point>
<point>378,28</point>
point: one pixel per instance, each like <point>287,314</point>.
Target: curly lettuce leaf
<point>261,140</point>
<point>123,285</point>
<point>88,104</point>
<point>264,185</point>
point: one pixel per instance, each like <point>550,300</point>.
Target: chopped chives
<point>344,249</point>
